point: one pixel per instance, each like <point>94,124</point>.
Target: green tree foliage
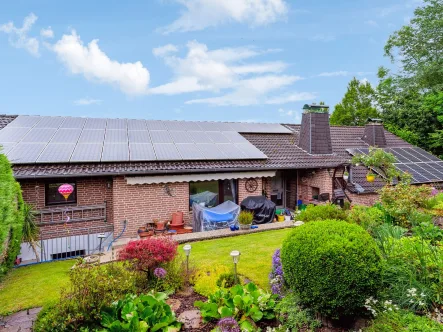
<point>411,99</point>
<point>356,106</point>
<point>11,216</point>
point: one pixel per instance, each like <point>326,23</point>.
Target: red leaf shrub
<point>149,253</point>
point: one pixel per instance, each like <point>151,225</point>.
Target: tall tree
<point>408,98</point>
<point>356,106</point>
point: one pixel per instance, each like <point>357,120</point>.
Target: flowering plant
<point>160,273</point>
<point>276,278</point>
<point>375,307</point>
<point>227,324</point>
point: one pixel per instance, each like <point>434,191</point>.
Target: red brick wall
<point>90,191</point>
<point>363,199</point>
<point>320,179</point>
<point>141,203</point>
<point>243,193</point>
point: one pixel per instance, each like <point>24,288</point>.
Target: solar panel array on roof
<point>421,165</point>
<point>73,139</point>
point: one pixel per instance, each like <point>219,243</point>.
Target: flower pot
<point>160,225</point>
<point>177,218</point>
<point>141,230</point>
<point>280,218</point>
<point>345,177</point>
<point>245,227</point>
<point>370,177</point>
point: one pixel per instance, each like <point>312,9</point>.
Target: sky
<point>216,60</point>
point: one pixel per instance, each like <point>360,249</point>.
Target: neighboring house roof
<point>6,119</point>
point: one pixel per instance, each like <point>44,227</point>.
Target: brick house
<point>118,176</point>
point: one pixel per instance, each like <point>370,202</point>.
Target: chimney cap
<point>375,120</point>
<point>316,108</point>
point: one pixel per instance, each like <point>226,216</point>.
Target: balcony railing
<point>70,214</point>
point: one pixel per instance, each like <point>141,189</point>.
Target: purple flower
<point>228,324</point>
<point>276,278</point>
<point>434,191</point>
<point>160,273</point>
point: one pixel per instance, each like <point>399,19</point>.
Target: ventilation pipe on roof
<point>375,133</point>
<point>315,134</point>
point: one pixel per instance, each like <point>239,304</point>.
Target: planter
<point>370,177</point>
<point>287,218</point>
<point>245,227</point>
<point>91,259</point>
<point>141,230</point>
<point>145,234</point>
<point>345,177</point>
<point>160,225</point>
<point>176,227</point>
<point>177,218</point>
<point>280,218</point>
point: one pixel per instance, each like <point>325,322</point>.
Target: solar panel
<point>217,137</point>
<point>115,152</point>
<point>50,122</point>
<point>92,136</point>
<point>237,126</point>
<point>181,137</point>
<point>409,154</point>
<point>160,136</point>
<point>166,151</point>
<point>11,135</point>
<point>174,125</point>
<point>199,137</point>
<point>234,137</point>
<point>73,123</point>
<point>189,151</point>
<point>211,151</point>
<point>137,125</point>
<point>139,136</point>
<point>141,151</point>
<point>417,177</point>
<point>87,152</point>
<point>116,136</point>
<point>190,126</point>
<point>66,136</point>
<point>231,151</point>
<point>155,125</point>
<point>425,155</point>
<point>24,121</point>
<point>56,152</point>
<point>212,126</point>
<point>93,123</point>
<point>25,152</point>
<point>6,147</point>
<point>39,135</point>
<point>434,169</point>
<point>116,124</point>
<point>250,150</point>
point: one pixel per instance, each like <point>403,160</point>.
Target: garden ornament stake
<point>235,254</point>
<point>187,250</point>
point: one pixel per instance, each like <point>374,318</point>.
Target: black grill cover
<point>263,208</point>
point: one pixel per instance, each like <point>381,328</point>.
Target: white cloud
<point>285,112</point>
<point>334,73</point>
<point>18,37</point>
<point>95,65</point>
<point>47,33</point>
<point>290,98</point>
<point>227,70</point>
<point>296,115</point>
<point>87,101</point>
<point>372,23</point>
<point>201,14</point>
<point>164,50</point>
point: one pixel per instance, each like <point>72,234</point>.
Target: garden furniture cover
<point>221,216</point>
<point>263,208</point>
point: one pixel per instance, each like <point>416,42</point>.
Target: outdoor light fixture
<point>235,254</point>
<point>101,236</point>
<point>187,250</point>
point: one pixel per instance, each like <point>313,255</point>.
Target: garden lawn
<point>256,253</point>
<point>33,286</point>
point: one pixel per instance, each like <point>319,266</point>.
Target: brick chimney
<point>374,133</point>
<point>315,134</point>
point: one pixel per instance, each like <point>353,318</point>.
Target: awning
<point>196,177</point>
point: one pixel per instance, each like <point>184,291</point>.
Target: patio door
<point>278,190</point>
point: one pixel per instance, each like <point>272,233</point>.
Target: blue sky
<point>225,60</point>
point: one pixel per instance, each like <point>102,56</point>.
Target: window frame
<point>69,201</point>
<point>220,192</point>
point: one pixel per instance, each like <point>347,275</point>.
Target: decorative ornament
<point>66,190</point>
<point>251,185</point>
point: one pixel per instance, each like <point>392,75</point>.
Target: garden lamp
<point>235,254</point>
<point>187,250</point>
<point>101,236</point>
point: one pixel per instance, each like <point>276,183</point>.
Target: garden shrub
<point>246,304</point>
<point>322,212</point>
<point>140,313</point>
<point>398,321</point>
<point>226,280</point>
<point>366,217</point>
<point>332,266</point>
<point>147,254</point>
<point>91,288</point>
<point>11,216</point>
<point>205,279</point>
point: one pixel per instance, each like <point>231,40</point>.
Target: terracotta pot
<point>176,227</point>
<point>177,218</point>
<point>160,225</point>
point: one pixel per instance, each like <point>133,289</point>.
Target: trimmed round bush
<point>332,266</point>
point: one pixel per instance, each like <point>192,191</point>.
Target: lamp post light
<point>101,236</point>
<point>235,254</point>
<point>187,250</point>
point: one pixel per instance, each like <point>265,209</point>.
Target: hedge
<point>11,216</point>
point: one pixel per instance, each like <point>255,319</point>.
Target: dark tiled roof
<point>359,177</point>
<point>5,119</point>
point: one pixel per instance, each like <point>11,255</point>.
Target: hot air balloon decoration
<point>66,190</point>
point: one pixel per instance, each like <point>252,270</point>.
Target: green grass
<point>33,286</point>
<point>256,253</point>
<point>39,285</point>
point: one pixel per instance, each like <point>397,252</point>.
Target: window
<point>212,193</point>
<point>53,197</point>
<point>315,192</point>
